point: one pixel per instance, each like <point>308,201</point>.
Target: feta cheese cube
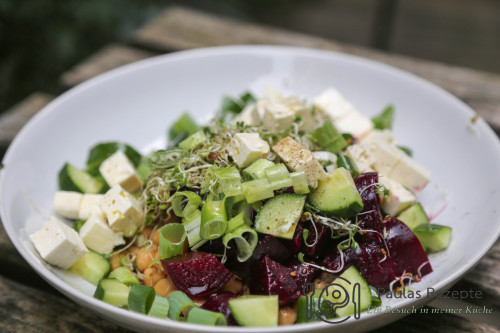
<point>67,204</point>
<point>361,157</point>
<point>90,204</point>
<point>271,93</point>
<point>410,173</point>
<point>382,136</point>
<point>333,104</point>
<point>278,117</point>
<point>307,120</point>
<point>98,236</point>
<point>249,116</point>
<point>117,169</point>
<point>246,148</point>
<point>123,211</point>
<point>393,162</point>
<point>299,158</point>
<point>399,197</point>
<point>58,244</point>
<point>354,123</point>
<point>386,156</point>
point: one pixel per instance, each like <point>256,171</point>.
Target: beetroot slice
<point>368,194</point>
<point>324,234</point>
<point>404,254</point>
<point>220,303</point>
<point>197,274</point>
<point>272,278</point>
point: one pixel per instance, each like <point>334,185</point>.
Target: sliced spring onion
<point>238,221</point>
<point>257,189</point>
<point>345,162</point>
<point>384,120</point>
<point>191,200</point>
<point>165,159</point>
<point>214,216</point>
<point>278,176</point>
<point>179,303</point>
<point>205,317</point>
<point>245,238</point>
<point>112,292</point>
<point>124,275</point>
<point>230,181</point>
<point>193,141</point>
<point>160,307</point>
<point>328,137</point>
<point>184,124</point>
<point>172,238</point>
<point>376,301</point>
<point>140,298</point>
<point>299,182</point>
<point>257,169</point>
<point>192,224</point>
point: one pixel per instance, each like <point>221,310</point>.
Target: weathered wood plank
<point>110,57</point>
<point>25,309</point>
<point>12,120</point>
<point>179,28</point>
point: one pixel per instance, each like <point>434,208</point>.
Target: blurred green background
<point>40,39</point>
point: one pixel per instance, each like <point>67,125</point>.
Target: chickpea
<point>164,287</point>
<point>144,258</point>
<point>234,285</point>
<point>158,264</point>
<point>156,238</point>
<point>115,261</point>
<point>134,250</point>
<point>146,232</point>
<point>287,316</point>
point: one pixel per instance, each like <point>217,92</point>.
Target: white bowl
<point>137,103</point>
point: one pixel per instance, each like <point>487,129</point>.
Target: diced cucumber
<point>414,216</point>
<point>376,300</point>
<point>102,151</point>
<point>337,195</point>
<point>124,275</point>
<point>255,310</point>
<point>358,291</point>
<point>184,124</point>
<point>92,267</point>
<point>257,169</point>
<point>113,292</point>
<point>433,237</point>
<point>303,311</point>
<point>143,169</point>
<point>279,215</point>
<point>74,179</point>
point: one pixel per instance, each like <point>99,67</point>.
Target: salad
<point>249,219</point>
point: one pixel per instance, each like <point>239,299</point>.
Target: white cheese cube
<point>117,169</point>
<point>249,116</point>
<point>399,197</point>
<point>67,204</point>
<point>123,211</point>
<point>307,120</point>
<point>271,93</point>
<point>387,157</point>
<point>354,123</point>
<point>90,204</point>
<point>278,117</point>
<point>299,158</point>
<point>333,104</point>
<point>411,174</point>
<point>246,148</point>
<point>382,136</point>
<point>98,236</point>
<point>361,157</point>
<point>58,244</point>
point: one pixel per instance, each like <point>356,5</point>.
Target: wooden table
<point>29,304</point>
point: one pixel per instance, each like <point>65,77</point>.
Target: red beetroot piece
<point>220,303</point>
<point>318,244</point>
<point>197,274</point>
<point>367,192</point>
<point>272,278</point>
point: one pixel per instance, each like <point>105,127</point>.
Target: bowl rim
<point>268,50</point>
